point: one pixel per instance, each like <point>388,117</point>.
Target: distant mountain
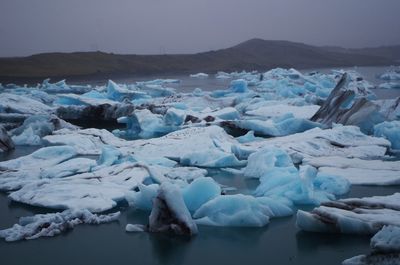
<point>254,54</point>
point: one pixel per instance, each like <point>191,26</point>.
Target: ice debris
<point>52,224</point>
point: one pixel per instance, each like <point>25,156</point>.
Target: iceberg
<point>352,216</point>
<point>239,86</point>
<point>389,130</point>
<point>169,213</point>
<point>52,224</point>
<point>263,160</point>
<point>349,105</point>
<point>385,247</point>
<point>233,210</point>
<point>200,191</point>
<point>44,157</point>
<point>36,127</point>
<point>358,171</point>
<point>343,141</point>
<point>389,85</point>
<point>97,190</point>
<point>390,75</point>
<point>11,103</point>
<point>387,239</point>
<point>281,126</point>
<point>85,142</point>
<point>279,178</point>
<point>118,93</point>
<point>278,110</point>
<point>143,199</point>
<point>199,75</point>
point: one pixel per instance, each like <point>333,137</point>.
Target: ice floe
<point>355,216</point>
<point>52,224</point>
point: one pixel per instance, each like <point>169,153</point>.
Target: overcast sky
<point>186,26</point>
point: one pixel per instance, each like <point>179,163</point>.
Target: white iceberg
<point>352,216</point>
<point>52,224</point>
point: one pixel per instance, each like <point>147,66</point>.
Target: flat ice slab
<point>352,216</point>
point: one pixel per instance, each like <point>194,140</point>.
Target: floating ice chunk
<point>205,146</point>
<point>279,178</point>
<point>360,176</point>
<point>83,100</point>
<point>345,162</point>
<point>387,239</point>
<point>200,191</point>
<point>159,82</point>
<point>59,87</point>
<point>263,160</point>
<point>6,142</point>
<point>390,75</point>
<point>233,210</point>
<point>390,85</point>
<point>135,228</point>
<point>94,94</point>
<point>37,126</point>
<point>355,216</point>
<point>239,86</point>
<point>304,112</point>
<point>62,87</point>
<point>44,157</point>
<point>70,194</point>
<point>349,104</point>
<point>211,158</point>
<point>169,213</point>
<point>118,93</point>
<point>199,75</point>
<point>344,141</point>
<point>279,127</point>
<point>332,184</point>
<point>358,171</point>
<point>222,75</point>
<point>52,224</point>
<point>143,199</point>
<point>390,131</point>
<point>174,117</point>
<point>156,91</point>
<point>86,142</point>
<point>145,124</point>
<point>385,248</point>
<point>10,103</point>
<point>97,190</point>
<point>228,113</point>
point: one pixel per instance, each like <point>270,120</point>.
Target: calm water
<point>278,243</point>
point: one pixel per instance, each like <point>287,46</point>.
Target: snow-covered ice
<point>52,224</point>
<point>355,216</point>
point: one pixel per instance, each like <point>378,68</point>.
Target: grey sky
<point>185,26</point>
